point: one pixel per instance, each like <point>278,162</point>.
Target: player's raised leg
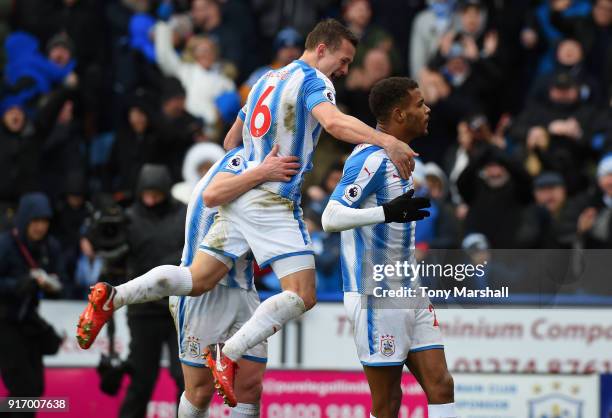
<point>299,295</point>
<point>430,369</point>
<point>160,282</point>
<point>386,390</point>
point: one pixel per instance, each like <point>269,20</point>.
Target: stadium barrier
<point>529,363</point>
<point>337,394</point>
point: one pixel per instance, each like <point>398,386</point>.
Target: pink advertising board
<point>287,394</point>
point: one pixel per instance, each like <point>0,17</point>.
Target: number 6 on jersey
<point>261,120</point>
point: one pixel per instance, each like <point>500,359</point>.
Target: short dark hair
<point>388,93</point>
<point>331,33</point>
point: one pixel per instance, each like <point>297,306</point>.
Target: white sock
<point>155,284</point>
<point>244,410</point>
<point>268,318</point>
<point>446,410</point>
<point>372,416</point>
<point>187,410</point>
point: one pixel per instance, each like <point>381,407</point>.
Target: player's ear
<point>321,48</point>
<point>398,115</point>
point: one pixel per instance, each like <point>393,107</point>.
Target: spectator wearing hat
<point>593,31</point>
<point>288,46</point>
<point>199,159</point>
<point>23,139</point>
<point>178,128</point>
<point>228,105</point>
<point>468,60</point>
<point>439,230</point>
<point>496,189</point>
<point>540,36</point>
<point>18,157</point>
<point>471,30</point>
<point>499,267</point>
<point>155,235</point>
<point>446,226</point>
<point>201,82</point>
<point>80,20</point>
<point>137,142</point>
<point>570,58</point>
<point>28,73</point>
<point>473,133</point>
<point>594,226</point>
<point>546,222</point>
<point>556,134</point>
<point>60,49</point>
<point>30,265</point>
<point>70,213</point>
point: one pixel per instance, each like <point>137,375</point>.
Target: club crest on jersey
<point>352,193</point>
<point>387,345</point>
<point>329,95</point>
<point>193,346</point>
<point>235,163</point>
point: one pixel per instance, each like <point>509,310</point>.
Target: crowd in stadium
<point>518,154</point>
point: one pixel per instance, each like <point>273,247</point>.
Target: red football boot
<point>223,370</point>
<point>98,311</point>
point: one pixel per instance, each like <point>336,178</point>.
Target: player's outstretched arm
<point>352,130</point>
<point>234,135</point>
<point>405,208</point>
<point>226,187</point>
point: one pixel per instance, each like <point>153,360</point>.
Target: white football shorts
<point>268,224</point>
<point>384,337</point>
<point>211,318</point>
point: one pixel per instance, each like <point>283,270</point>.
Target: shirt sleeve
<point>233,162</point>
<point>337,217</point>
<point>363,175</point>
<point>316,91</point>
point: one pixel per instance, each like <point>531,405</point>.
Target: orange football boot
<point>223,370</point>
<point>98,311</point>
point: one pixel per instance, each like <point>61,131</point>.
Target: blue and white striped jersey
<point>200,218</point>
<point>370,179</point>
<point>278,111</point>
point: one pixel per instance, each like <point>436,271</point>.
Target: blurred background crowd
<point>112,110</point>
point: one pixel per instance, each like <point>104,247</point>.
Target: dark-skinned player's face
<point>413,114</point>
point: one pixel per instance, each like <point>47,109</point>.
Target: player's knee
<point>388,404</point>
<point>302,300</point>
<point>441,389</point>
<point>310,301</point>
<point>395,402</point>
<point>199,395</point>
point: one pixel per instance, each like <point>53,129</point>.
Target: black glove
<point>406,208</point>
